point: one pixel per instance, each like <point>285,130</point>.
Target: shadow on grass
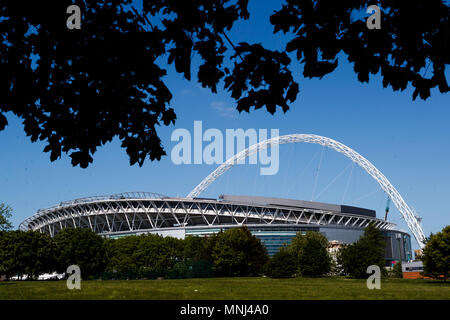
<point>437,282</point>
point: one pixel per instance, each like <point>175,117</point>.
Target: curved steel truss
<point>25,225</point>
<point>112,216</point>
<point>406,212</point>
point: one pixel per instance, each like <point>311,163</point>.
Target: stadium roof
<point>298,204</point>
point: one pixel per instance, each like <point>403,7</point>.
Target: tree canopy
<point>368,250</point>
<point>80,247</point>
<point>237,252</point>
<point>5,216</point>
<point>283,264</point>
<point>312,257</point>
<point>78,89</point>
<point>149,251</point>
<point>436,255</point>
<point>397,269</point>
<point>26,253</point>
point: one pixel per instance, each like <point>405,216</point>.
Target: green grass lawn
<point>228,288</point>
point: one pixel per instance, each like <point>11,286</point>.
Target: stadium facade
<point>273,220</point>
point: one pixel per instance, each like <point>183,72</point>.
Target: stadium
<point>273,220</point>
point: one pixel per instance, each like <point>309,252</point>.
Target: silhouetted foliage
<point>413,39</point>
<point>78,89</point>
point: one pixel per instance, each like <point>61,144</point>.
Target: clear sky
<point>408,141</point>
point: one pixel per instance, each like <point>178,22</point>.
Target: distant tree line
<point>234,252</point>
<point>307,255</point>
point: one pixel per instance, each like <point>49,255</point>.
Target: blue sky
<point>408,141</point>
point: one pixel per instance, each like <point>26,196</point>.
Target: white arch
<point>396,198</point>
